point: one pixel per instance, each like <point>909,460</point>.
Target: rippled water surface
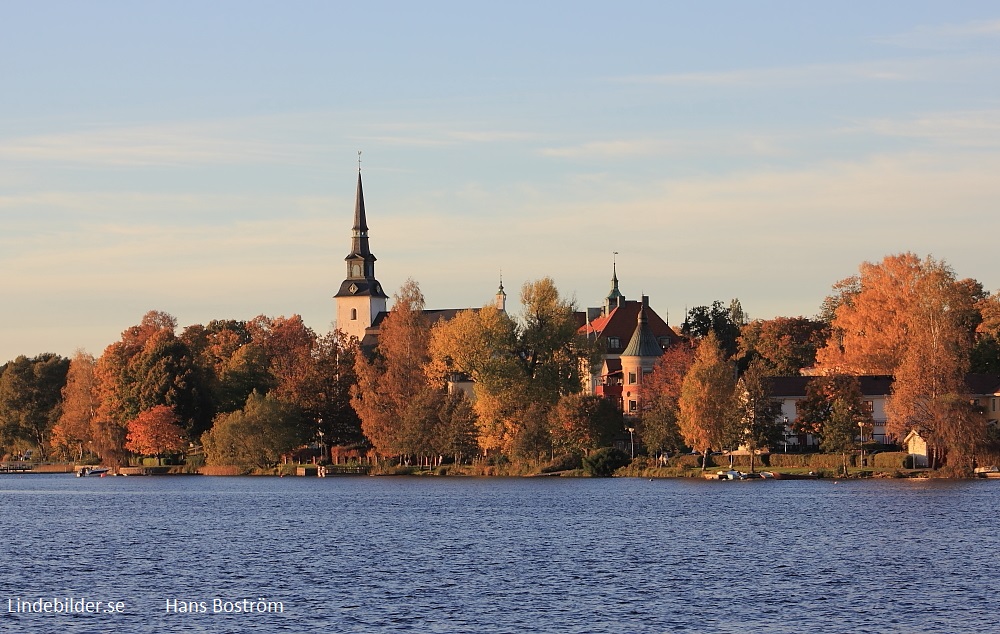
<point>502,555</point>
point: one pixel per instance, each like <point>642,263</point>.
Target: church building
<point>361,302</point>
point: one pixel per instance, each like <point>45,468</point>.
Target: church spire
<point>615,297</point>
<point>501,296</point>
<point>359,234</point>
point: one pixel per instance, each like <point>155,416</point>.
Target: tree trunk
<point>704,460</point>
<point>751,459</point>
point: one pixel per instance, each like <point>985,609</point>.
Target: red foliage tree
<point>155,432</point>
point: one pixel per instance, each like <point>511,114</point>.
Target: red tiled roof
<point>621,322</point>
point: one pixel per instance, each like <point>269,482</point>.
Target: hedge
<point>889,459</point>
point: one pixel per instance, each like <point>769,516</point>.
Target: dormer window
<point>614,343</point>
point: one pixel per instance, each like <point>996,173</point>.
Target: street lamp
<point>861,426</point>
<point>631,440</point>
<point>784,434</point>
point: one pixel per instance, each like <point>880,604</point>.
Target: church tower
<point>360,298</point>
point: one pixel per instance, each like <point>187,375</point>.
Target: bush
<point>604,462</point>
<point>890,460</point>
<point>686,460</point>
<point>564,462</point>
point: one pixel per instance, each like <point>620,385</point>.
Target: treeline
<point>251,391</point>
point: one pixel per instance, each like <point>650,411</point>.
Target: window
<point>869,406</point>
<point>614,343</point>
<point>631,378</point>
<point>632,406</point>
<point>354,313</point>
<point>664,342</point>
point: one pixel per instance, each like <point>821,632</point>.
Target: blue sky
<point>200,158</point>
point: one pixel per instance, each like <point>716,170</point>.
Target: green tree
<point>758,426</point>
<point>31,399</point>
<point>785,344</point>
<point>834,411</point>
<point>725,322</point>
<point>582,423</point>
<point>457,434</point>
<point>706,408</point>
<point>256,436</point>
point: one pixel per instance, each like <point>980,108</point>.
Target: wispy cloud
<point>145,146</point>
<point>895,70</point>
<point>431,135</point>
<point>944,36</point>
<point>734,144</point>
<point>970,129</point>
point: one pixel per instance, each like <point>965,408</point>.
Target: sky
<point>201,158</point>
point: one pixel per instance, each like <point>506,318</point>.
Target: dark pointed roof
<point>359,234</point>
<point>615,293</point>
<point>643,343</point>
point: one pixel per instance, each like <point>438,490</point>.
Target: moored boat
<point>91,471</point>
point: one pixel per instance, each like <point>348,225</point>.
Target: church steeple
<point>359,234</point>
<point>615,297</point>
<point>501,297</point>
<point>360,298</point>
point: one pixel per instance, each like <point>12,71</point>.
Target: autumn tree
<point>582,423</point>
<point>72,433</point>
<point>31,399</point>
<point>257,435</point>
<point>786,345</point>
<point>878,317</point>
<point>705,407</point>
<point>517,366</point>
<point>929,393</point>
<point>661,391</point>
<point>757,427</point>
<point>148,366</point>
<point>389,382</point>
<point>155,432</point>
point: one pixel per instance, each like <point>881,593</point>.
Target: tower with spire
<point>500,302</point>
<point>360,298</point>
<point>615,297</point>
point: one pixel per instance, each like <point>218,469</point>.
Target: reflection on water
<point>503,555</point>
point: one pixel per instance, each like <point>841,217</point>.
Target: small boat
<point>987,472</point>
<point>92,471</point>
<point>794,476</point>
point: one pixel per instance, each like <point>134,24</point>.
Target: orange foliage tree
<point>72,432</point>
<point>155,432</point>
<point>395,376</point>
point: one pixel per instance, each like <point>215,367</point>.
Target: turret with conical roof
<point>637,360</point>
<point>643,342</point>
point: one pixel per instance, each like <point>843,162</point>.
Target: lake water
<point>358,554</point>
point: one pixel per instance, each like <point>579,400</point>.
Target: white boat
<point>92,471</point>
